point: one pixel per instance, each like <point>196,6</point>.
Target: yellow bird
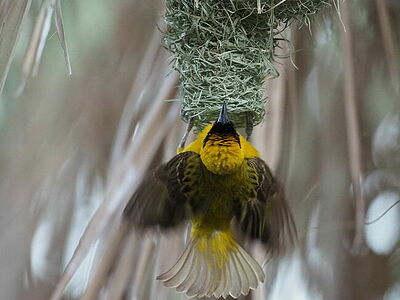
<point>217,182</point>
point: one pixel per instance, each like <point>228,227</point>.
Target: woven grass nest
<point>224,51</point>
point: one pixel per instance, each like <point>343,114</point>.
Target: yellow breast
<point>222,156</point>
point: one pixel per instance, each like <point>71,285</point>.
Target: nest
<point>224,51</point>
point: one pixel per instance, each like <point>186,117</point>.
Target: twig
<point>383,214</point>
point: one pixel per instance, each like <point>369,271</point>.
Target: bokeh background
<point>73,148</point>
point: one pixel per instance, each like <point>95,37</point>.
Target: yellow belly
<point>218,194</point>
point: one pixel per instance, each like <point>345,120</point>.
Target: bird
<point>220,185</point>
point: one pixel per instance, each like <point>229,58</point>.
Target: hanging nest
<point>224,50</point>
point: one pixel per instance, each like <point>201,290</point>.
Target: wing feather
<point>263,213</point>
<point>160,198</point>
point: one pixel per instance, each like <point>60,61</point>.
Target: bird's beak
<point>223,115</point>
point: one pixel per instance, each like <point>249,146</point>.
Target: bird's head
<point>221,150</point>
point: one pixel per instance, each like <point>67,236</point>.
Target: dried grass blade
<point>389,43</point>
<point>13,15</point>
<point>148,248</point>
<point>353,130</point>
<point>132,106</point>
<point>100,273</point>
<point>36,45</point>
<point>61,35</point>
<point>4,6</point>
<point>124,269</point>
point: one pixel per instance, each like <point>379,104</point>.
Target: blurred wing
<point>159,199</point>
<point>263,214</point>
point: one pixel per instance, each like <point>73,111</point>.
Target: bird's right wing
<point>160,199</point>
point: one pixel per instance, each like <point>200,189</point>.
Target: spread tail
<point>214,265</point>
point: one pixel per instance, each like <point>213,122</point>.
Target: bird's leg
<point>185,136</point>
<point>249,125</point>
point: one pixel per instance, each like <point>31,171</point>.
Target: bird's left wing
<point>262,211</point>
<point>160,198</point>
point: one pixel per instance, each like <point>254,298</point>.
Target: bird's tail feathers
<point>214,265</point>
